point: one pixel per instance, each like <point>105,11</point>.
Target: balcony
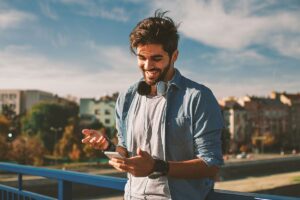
<point>65,179</point>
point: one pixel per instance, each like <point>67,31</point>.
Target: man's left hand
<point>140,166</point>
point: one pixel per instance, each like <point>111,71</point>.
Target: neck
<point>168,77</point>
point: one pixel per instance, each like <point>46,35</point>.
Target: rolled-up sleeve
<point>207,127</point>
<point>121,131</point>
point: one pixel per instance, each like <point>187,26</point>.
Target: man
<point>168,126</point>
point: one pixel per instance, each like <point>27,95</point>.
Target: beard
<point>161,77</point>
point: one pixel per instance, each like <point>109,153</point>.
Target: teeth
<point>151,73</point>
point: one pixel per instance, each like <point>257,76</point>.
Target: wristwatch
<point>161,168</point>
<point>111,146</point>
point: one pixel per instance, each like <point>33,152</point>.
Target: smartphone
<point>113,154</point>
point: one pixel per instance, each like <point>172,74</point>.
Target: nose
<point>148,65</point>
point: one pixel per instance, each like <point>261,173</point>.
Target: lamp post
<point>55,130</point>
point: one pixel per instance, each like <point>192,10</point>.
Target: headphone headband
<point>145,89</point>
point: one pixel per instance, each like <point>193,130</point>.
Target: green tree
<point>4,148</point>
<point>4,125</point>
<point>70,142</point>
<point>27,150</point>
<point>14,120</point>
<point>48,120</point>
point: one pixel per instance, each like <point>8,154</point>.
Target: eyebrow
<point>153,56</point>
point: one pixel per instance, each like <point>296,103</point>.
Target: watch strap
<point>161,168</point>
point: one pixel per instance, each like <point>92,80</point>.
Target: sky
<point>81,47</point>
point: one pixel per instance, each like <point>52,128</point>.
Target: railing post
<point>64,190</point>
<point>20,182</point>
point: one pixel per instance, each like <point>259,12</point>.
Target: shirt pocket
<point>180,131</point>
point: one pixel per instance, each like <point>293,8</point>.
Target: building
<point>293,103</point>
<point>12,99</point>
<point>235,118</point>
<point>103,109</point>
<point>268,120</point>
<point>22,100</point>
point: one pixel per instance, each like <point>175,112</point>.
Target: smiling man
<point>169,127</point>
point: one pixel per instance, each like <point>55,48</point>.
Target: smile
<point>152,73</point>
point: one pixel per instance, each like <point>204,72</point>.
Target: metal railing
<point>66,178</point>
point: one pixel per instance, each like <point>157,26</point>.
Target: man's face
<point>154,62</point>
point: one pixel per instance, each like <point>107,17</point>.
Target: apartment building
<point>22,100</point>
<point>103,109</point>
<point>267,115</point>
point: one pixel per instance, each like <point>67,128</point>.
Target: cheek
<point>140,64</point>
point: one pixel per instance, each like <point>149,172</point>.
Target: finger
<point>85,131</point>
<point>85,140</point>
<point>94,140</point>
<point>139,152</point>
<point>89,132</point>
<point>121,166</point>
<point>99,145</point>
<point>121,170</point>
<point>101,139</point>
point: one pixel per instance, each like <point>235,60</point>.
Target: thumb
<point>140,152</point>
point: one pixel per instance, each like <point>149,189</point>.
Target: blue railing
<point>66,178</point>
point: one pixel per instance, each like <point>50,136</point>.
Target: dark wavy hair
<point>159,29</point>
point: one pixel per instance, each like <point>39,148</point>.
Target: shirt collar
<point>176,80</point>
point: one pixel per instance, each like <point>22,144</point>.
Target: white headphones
<point>145,89</point>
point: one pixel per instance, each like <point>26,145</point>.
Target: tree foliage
<point>4,125</point>
<point>4,148</point>
<point>48,120</point>
<point>27,150</point>
<point>69,144</point>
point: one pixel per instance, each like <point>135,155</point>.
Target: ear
<point>174,56</point>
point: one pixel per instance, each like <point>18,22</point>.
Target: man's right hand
<point>94,139</point>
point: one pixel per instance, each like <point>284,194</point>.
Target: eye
<point>141,58</point>
<point>157,59</point>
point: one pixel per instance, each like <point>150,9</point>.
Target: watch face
<point>155,175</point>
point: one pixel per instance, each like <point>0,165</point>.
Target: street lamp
<point>55,130</point>
<point>10,136</point>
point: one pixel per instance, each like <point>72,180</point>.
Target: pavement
<point>253,184</point>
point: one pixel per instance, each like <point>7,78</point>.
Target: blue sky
<point>81,48</point>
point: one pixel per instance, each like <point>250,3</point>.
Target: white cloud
<point>231,60</point>
<point>236,27</point>
<point>14,18</point>
<point>47,11</point>
<point>113,57</point>
<point>288,46</point>
<point>60,40</point>
<point>99,9</point>
<point>116,13</point>
<point>22,68</point>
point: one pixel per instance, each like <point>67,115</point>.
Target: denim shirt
<point>193,124</point>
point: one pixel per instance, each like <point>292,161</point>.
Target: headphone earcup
<point>143,88</point>
<point>161,88</point>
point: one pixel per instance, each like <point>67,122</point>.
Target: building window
<point>97,111</point>
<point>107,112</point>
<point>12,96</point>
<point>107,121</point>
<point>12,106</point>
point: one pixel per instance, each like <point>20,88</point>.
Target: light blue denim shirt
<point>193,124</point>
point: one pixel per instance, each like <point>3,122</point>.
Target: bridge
<point>65,179</point>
